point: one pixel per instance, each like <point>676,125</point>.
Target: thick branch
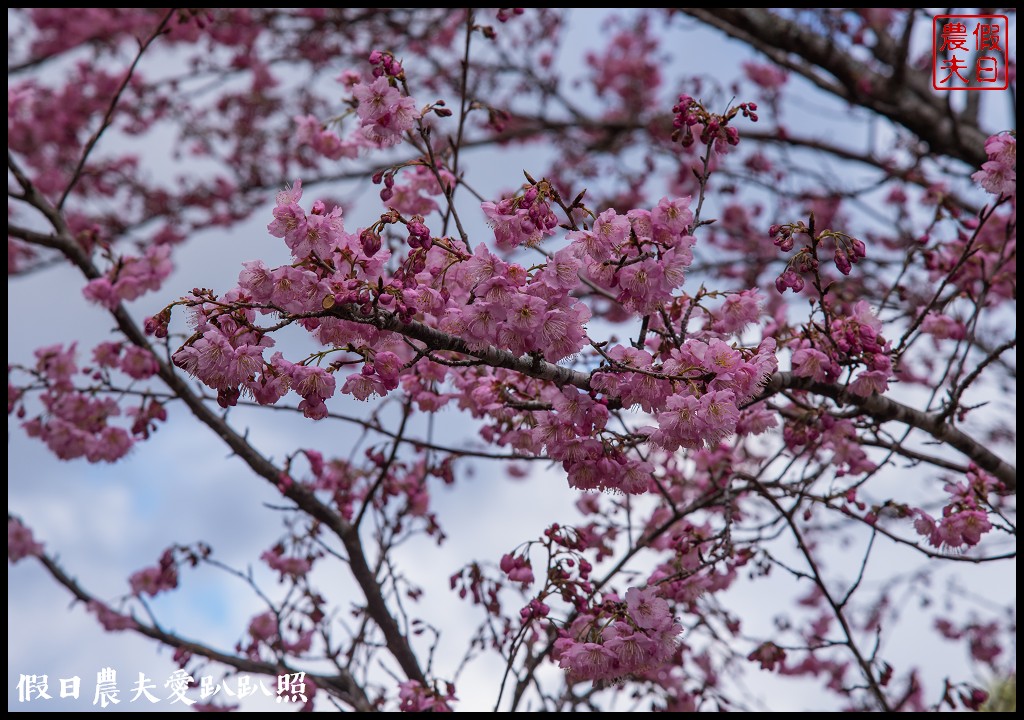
<point>885,409</point>
<point>924,114</point>
<point>882,409</point>
<point>534,367</point>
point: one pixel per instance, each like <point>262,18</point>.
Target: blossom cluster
<point>521,311</point>
<point>413,696</point>
<point>130,277</point>
<point>641,255</point>
<point>384,112</point>
<point>998,175</point>
<point>75,423</point>
<point>264,629</point>
<point>848,252</point>
<point>20,542</point>
<point>965,517</point>
<point>619,639</point>
<point>155,580</point>
<point>521,220</point>
<point>690,115</point>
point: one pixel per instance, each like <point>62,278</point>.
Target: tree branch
<point>303,497</point>
<point>109,117</point>
<point>924,114</point>
<point>343,683</point>
<point>885,409</point>
<point>534,367</point>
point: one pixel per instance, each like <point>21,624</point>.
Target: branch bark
<point>923,113</point>
<point>884,409</point>
<point>376,606</point>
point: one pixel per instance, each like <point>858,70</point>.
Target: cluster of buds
<point>782,235</point>
<point>848,252</point>
<point>715,128</point>
<point>388,178</point>
<point>506,14</point>
<point>419,233</point>
<point>158,324</point>
<point>524,219</point>
<point>384,63</point>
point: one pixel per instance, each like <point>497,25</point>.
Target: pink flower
<point>639,636</point>
<point>310,382</point>
<point>20,543</point>
<point>297,290</point>
<point>269,388</point>
<point>76,426</point>
<point>721,358</point>
<point>256,279</point>
<point>481,320</point>
<point>154,580</point>
<point>717,415</point>
<point>139,363</point>
<point>813,364</point>
<point>588,660</point>
<point>942,327</point>
<point>647,610</point>
<point>672,216</point>
<point>289,218</point>
<point>387,366</point>
<point>522,220</point>
<point>325,142</point>
<point>518,569</point>
<point>678,425</point>
<point>956,529</point>
<point>131,277</point>
<point>626,70</point>
<point>738,311</point>
<point>525,312</point>
<point>964,528</point>
<point>110,445</point>
<point>869,382</point>
<point>106,354</point>
<point>57,364</point>
<point>769,76</point>
<point>999,174</point>
<point>263,628</point>
<point>412,195</point>
<point>414,697</point>
<point>385,113</point>
<point>768,654</point>
<point>998,178</point>
<point>610,231</point>
<point>562,270</point>
<point>293,567</point>
<point>361,386</point>
<point>632,648</point>
<point>110,620</point>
